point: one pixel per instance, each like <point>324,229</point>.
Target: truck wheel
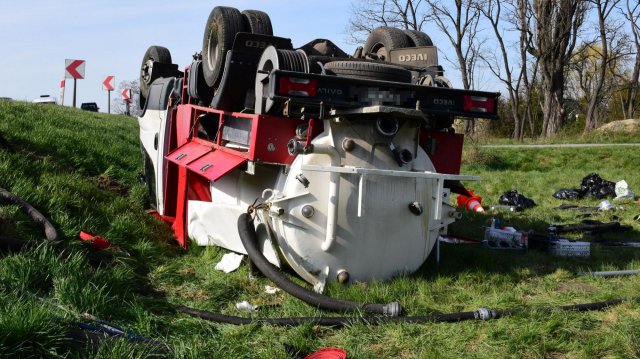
<point>258,22</point>
<point>220,31</point>
<point>153,54</point>
<point>418,38</point>
<point>369,70</point>
<point>383,39</point>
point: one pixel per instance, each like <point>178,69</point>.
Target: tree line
<point>561,62</point>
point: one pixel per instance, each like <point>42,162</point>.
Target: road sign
<point>74,69</point>
<point>126,95</point>
<point>108,83</point>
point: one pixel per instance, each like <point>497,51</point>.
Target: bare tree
<point>554,36</point>
<point>366,15</point>
<point>118,105</point>
<point>632,14</point>
<point>608,33</point>
<point>459,22</point>
<point>512,74</point>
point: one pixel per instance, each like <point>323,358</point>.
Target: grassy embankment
<point>80,169</point>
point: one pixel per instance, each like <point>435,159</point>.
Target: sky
<point>36,37</point>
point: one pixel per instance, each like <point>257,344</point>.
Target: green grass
<point>80,169</point>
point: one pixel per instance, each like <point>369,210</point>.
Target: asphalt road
<point>566,145</point>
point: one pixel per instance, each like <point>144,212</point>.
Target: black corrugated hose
<point>480,314</point>
<point>248,237</point>
<point>249,240</point>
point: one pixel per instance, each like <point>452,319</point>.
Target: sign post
<point>107,84</point>
<point>74,69</point>
<point>126,96</point>
<point>62,84</point>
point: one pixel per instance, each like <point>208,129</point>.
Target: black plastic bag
<point>568,193</point>
<point>594,185</point>
<point>513,198</point>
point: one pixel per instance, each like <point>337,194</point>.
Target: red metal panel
<point>215,164</point>
<point>188,153</point>
<point>444,150</point>
<point>270,137</point>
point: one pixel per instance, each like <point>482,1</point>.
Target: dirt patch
<point>576,287</point>
<point>108,184</point>
<point>625,126</point>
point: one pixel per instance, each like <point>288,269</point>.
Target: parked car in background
<point>45,99</point>
<point>90,106</point>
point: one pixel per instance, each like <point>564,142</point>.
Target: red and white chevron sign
<point>108,83</point>
<point>126,94</point>
<point>74,69</point>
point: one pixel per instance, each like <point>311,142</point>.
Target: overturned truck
<point>345,162</point>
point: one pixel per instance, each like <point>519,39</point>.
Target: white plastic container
<point>565,248</point>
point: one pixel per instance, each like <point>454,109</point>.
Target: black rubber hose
<point>49,230</point>
<point>249,240</point>
<point>480,314</point>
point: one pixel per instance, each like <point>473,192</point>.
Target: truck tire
<point>418,38</point>
<point>368,70</point>
<point>222,26</point>
<point>153,54</point>
<point>257,22</point>
<point>383,39</point>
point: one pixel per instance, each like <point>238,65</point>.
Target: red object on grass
<point>328,353</point>
<point>96,242</point>
<point>473,202</point>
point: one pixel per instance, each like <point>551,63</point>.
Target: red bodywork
<point>192,162</point>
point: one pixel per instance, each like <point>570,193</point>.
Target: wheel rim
<point>212,49</point>
<point>380,51</point>
<point>145,71</point>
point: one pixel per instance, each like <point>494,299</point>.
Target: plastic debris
<point>504,238</point>
<point>568,193</point>
<point>457,240</point>
<point>594,185</point>
<point>244,305</point>
<point>97,242</point>
<point>623,192</point>
<point>472,202</point>
<point>328,353</point>
<point>513,198</point>
<point>562,247</point>
<point>229,262</point>
<point>605,206</point>
<point>271,290</point>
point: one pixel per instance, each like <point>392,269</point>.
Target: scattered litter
<point>596,186</point>
<point>229,262</point>
<point>328,353</point>
<point>605,206</point>
<point>505,208</point>
<point>631,244</point>
<point>571,207</point>
<point>562,247</point>
<point>623,192</point>
<point>513,198</point>
<point>97,242</point>
<point>457,240</point>
<point>271,290</point>
<point>568,193</point>
<point>591,185</point>
<point>472,202</point>
<point>589,226</point>
<point>244,305</point>
<point>610,273</point>
<point>505,238</point>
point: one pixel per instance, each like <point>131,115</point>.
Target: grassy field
<point>81,170</point>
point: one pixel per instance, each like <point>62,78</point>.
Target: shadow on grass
<point>463,258</point>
